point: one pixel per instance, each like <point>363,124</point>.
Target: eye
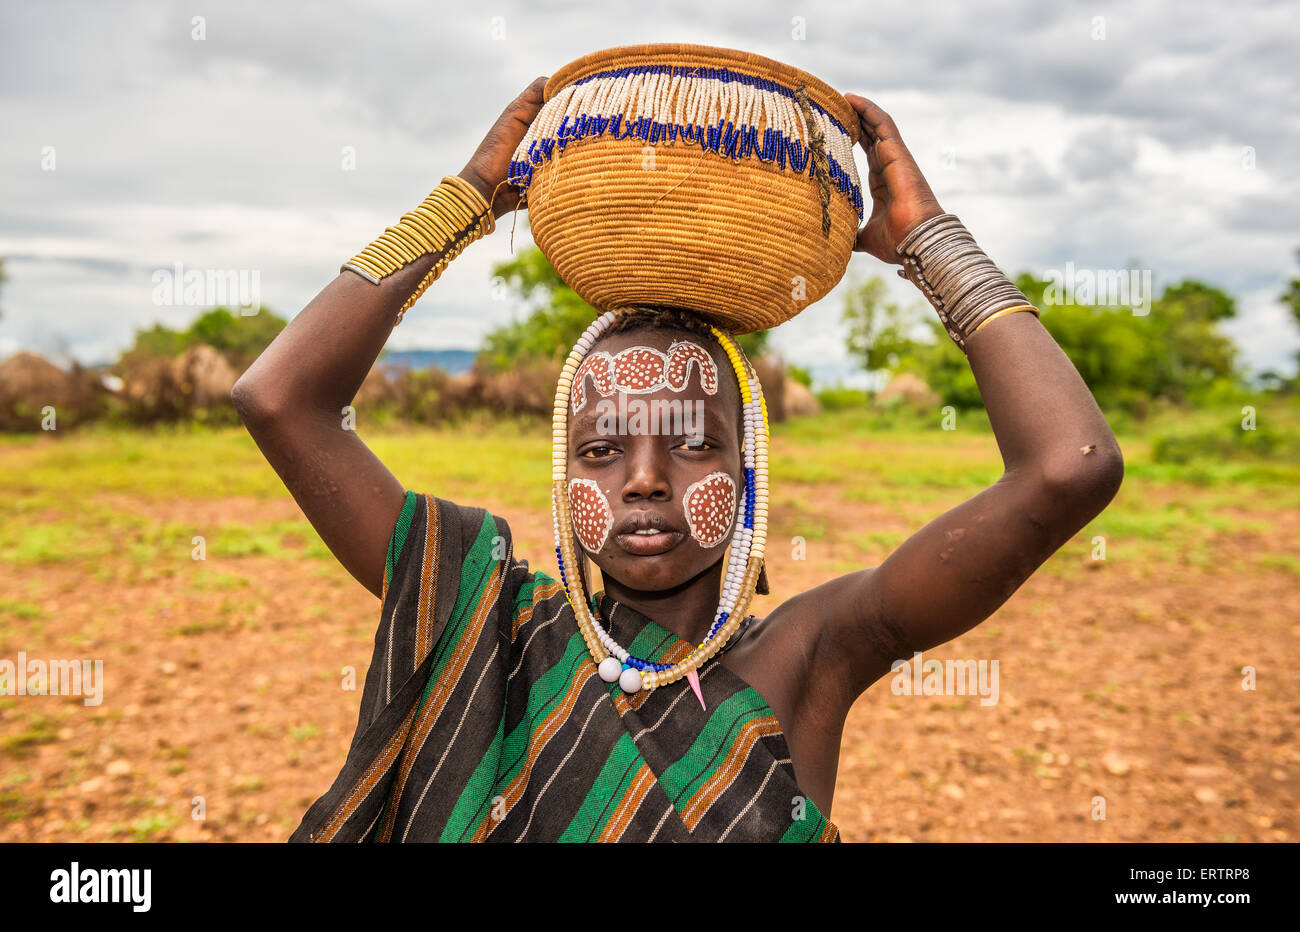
<point>603,446</point>
<point>703,445</point>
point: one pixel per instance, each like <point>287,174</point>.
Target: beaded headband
<point>745,554</point>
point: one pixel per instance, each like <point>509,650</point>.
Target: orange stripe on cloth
<point>629,804</point>
<point>428,583</point>
<point>540,594</point>
<point>362,788</point>
<point>737,754</point>
<point>443,689</point>
<point>538,739</point>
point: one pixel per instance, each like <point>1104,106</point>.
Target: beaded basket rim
<point>688,55</point>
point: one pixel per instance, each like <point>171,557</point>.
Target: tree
<point>240,338</point>
<point>879,331</point>
<point>1174,352</point>
<point>557,316</point>
<point>1291,298</point>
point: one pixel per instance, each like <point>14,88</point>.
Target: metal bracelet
<point>349,267</point>
<point>958,278</point>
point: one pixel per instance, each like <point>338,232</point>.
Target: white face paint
<point>644,369</point>
<point>592,516</point>
<point>709,504</point>
<point>710,507</point>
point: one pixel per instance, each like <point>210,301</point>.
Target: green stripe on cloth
<point>807,829</point>
<point>473,577</point>
<point>398,539</point>
<point>710,748</point>
<point>544,696</point>
<point>473,582</point>
<point>601,802</point>
<point>480,788</point>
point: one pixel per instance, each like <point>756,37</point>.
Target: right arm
<point>291,397</point>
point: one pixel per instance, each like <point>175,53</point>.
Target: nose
<point>647,471</point>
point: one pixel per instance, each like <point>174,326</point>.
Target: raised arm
<point>291,398</point>
<point>1062,466</point>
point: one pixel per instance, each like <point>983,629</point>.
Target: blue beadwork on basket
<point>725,138</point>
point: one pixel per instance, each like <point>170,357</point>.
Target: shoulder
<point>436,535</point>
<point>835,633</point>
<point>446,521</point>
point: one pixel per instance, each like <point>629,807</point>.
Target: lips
<point>656,534</point>
<point>644,521</point>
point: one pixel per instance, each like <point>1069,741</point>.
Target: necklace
<point>735,639</point>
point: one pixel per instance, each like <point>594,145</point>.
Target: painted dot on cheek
<point>709,505</point>
<point>591,511</point>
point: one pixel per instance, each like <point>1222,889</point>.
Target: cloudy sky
<point>1159,135</point>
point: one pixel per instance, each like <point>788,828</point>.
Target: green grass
<point>21,610</point>
<point>104,499</point>
<point>304,732</point>
<point>39,730</point>
<point>150,827</point>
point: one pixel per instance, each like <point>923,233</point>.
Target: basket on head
<point>696,177</point>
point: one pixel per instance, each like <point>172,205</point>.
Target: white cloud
<point>1052,145</point>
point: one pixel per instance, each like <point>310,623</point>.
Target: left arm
<point>1062,466</point>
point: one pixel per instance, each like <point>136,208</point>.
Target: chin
<point>654,573</point>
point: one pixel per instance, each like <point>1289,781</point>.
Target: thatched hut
<point>799,399</point>
<point>908,389</point>
<point>31,384</point>
<point>159,389</point>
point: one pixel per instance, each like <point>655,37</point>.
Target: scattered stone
<point>1116,764</point>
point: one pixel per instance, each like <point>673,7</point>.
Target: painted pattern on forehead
<point>592,516</point>
<point>643,369</point>
<point>710,507</point>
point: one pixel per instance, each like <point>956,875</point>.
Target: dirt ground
<point>1120,685</point>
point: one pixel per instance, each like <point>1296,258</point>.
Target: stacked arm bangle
<point>962,283</point>
<point>448,220</point>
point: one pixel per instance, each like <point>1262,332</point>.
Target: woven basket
<point>688,176</point>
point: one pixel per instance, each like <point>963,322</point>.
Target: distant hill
<point>454,361</point>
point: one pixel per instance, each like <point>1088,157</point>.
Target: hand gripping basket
<point>695,177</point>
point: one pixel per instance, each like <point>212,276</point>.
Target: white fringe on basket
<point>736,115</point>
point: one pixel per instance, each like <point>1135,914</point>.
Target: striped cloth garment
<point>483,717</point>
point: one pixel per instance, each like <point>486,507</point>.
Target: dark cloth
<point>483,717</point>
